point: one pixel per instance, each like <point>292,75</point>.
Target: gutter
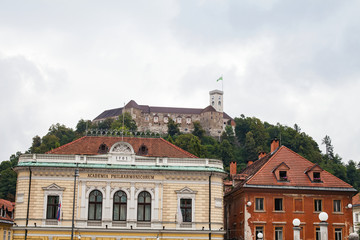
<point>28,204</point>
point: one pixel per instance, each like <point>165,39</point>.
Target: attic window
<point>143,150</point>
<point>316,177</point>
<point>283,176</point>
<point>166,119</point>
<point>103,148</point>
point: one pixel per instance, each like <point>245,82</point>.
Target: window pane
<point>259,204</point>
<point>116,212</point>
<point>259,230</point>
<point>147,213</point>
<point>91,211</point>
<point>278,204</point>
<point>123,213</point>
<point>141,212</point>
<point>98,212</point>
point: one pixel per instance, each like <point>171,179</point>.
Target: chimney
<point>262,154</point>
<point>233,168</point>
<point>249,163</point>
<point>274,145</point>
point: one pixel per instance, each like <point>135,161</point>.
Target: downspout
<point>210,205</point>
<point>28,205</point>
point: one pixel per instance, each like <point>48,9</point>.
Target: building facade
<point>6,219</point>
<point>154,119</point>
<point>126,188</point>
<point>281,186</point>
<point>356,212</point>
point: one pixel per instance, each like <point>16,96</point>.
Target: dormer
<point>281,172</point>
<point>314,173</point>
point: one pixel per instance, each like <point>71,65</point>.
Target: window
<point>337,205</point>
<point>4,234</point>
<point>316,177</point>
<point>9,235</point>
<point>317,205</point>
<point>219,103</point>
<point>282,175</point>
<point>278,204</point>
<point>317,234</point>
<point>278,233</point>
<point>178,119</point>
<point>52,207</point>
<point>338,234</point>
<point>144,207</point>
<point>186,211</point>
<point>259,230</point>
<point>2,212</point>
<point>95,205</point>
<point>166,119</point>
<point>188,120</point>
<point>356,217</point>
<point>259,204</point>
<point>120,206</point>
<point>156,119</point>
<point>146,118</point>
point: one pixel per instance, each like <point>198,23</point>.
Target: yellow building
<point>124,188</point>
<point>6,219</point>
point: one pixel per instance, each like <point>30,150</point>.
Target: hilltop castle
<point>149,118</point>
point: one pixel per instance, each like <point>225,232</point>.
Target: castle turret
<point>216,100</point>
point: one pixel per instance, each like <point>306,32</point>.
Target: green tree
<point>173,128</point>
<point>250,147</point>
<point>198,130</point>
<point>125,118</point>
<point>82,125</point>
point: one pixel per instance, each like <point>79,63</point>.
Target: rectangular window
<point>259,230</point>
<point>186,211</point>
<point>317,205</point>
<point>259,204</point>
<point>278,233</point>
<point>317,234</point>
<point>52,207</point>
<point>278,204</point>
<point>316,177</point>
<point>282,175</point>
<point>337,205</point>
<point>338,234</point>
<point>298,204</point>
<point>4,234</point>
<point>9,235</point>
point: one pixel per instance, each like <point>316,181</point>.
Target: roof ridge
<point>65,145</point>
<point>180,149</point>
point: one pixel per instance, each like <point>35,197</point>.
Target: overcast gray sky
<point>282,61</point>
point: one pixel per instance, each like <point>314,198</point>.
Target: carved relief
<point>121,148</point>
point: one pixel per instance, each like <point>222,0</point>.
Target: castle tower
<point>216,100</point>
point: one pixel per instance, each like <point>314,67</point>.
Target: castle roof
<point>156,147</point>
<point>153,109</point>
<point>260,174</point>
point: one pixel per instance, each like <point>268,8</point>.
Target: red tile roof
<point>262,174</point>
<point>7,206</point>
<point>356,200</point>
<point>89,145</point>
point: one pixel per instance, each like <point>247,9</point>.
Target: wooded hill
<point>251,137</point>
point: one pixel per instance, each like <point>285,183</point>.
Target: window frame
<point>54,205</point>
<point>120,204</point>
<point>283,176</point>
<point>188,206</point>
<point>276,230</point>
<point>262,231</point>
<point>282,204</point>
<point>337,206</point>
<point>262,201</point>
<point>146,205</point>
<point>97,204</point>
<point>316,206</point>
<point>338,231</point>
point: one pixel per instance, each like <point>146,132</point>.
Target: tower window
<point>219,103</point>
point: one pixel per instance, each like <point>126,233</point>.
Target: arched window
<point>95,205</point>
<point>120,201</point>
<point>144,207</point>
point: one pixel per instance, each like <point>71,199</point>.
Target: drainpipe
<point>73,211</point>
<point>28,205</point>
<point>210,205</point>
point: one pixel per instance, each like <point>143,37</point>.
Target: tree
<point>173,128</point>
<point>125,119</point>
<point>328,146</point>
<point>250,147</point>
<point>198,130</point>
<point>82,125</point>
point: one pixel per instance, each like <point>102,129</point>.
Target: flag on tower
<point>219,79</point>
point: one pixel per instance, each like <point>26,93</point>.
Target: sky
<point>282,61</point>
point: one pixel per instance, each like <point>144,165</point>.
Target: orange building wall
<point>239,214</point>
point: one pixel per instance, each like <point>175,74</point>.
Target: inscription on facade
<point>136,176</point>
